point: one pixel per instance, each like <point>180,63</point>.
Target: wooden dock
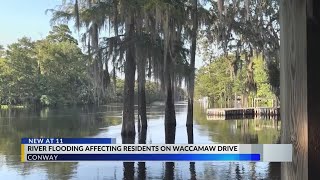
<point>239,113</point>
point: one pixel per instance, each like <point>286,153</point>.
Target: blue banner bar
<point>67,141</point>
<point>144,157</point>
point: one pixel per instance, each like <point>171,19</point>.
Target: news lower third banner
<point>106,149</point>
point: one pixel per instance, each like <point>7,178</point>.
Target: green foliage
<point>241,27</point>
<point>63,72</point>
<point>19,73</point>
<point>263,84</point>
<point>6,82</point>
<point>48,72</point>
<point>54,71</point>
<point>274,77</point>
<point>214,81</point>
<point>153,92</point>
<point>61,33</point>
<point>261,78</point>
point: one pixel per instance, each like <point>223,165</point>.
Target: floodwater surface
<point>105,121</point>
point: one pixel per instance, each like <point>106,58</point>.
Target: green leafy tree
<point>50,71</point>
<point>214,81</point>
<point>61,33</point>
<point>23,65</point>
<point>261,78</point>
<point>63,72</point>
<point>244,27</point>
<point>6,82</point>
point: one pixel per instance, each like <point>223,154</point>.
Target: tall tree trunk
<point>192,63</point>
<point>190,135</point>
<point>168,71</point>
<point>142,109</point>
<point>128,122</point>
<point>170,114</point>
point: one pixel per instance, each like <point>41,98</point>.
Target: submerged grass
<point>12,106</point>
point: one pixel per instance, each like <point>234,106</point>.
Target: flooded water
<point>106,122</point>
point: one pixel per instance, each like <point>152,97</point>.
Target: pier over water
<point>252,112</point>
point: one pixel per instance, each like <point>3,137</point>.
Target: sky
<point>19,18</point>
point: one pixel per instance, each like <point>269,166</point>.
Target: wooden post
<point>313,74</point>
<point>293,82</point>
<point>300,98</point>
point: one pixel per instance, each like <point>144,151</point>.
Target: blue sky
<point>20,18</point>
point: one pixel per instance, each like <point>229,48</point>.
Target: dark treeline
<point>153,93</point>
<point>53,71</point>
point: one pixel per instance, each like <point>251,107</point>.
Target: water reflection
<point>170,137</point>
<point>169,170</point>
<point>63,171</point>
<point>192,165</point>
<point>128,167</point>
<point>105,121</point>
<point>246,131</point>
<point>192,169</point>
<point>142,165</point>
